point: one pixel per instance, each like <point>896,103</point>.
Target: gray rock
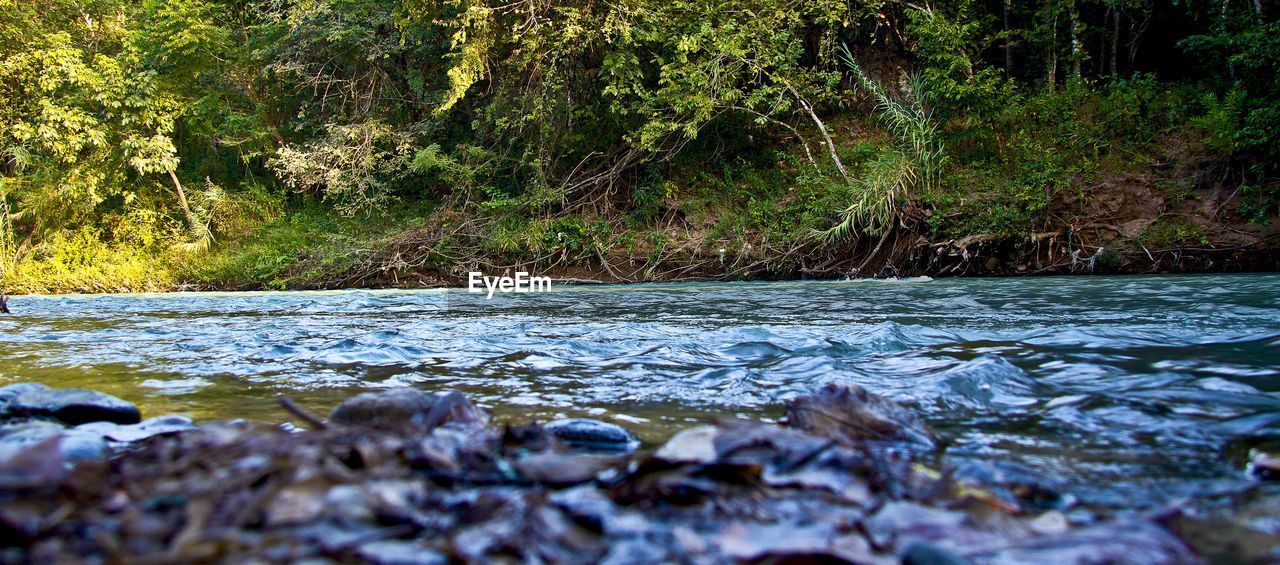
<point>395,552</point>
<point>1016,484</point>
<point>69,406</point>
<point>7,393</point>
<point>408,409</point>
<point>587,505</point>
<point>136,432</point>
<point>1130,541</point>
<point>852,416</point>
<point>564,468</point>
<point>1234,526</point>
<point>694,445</point>
<point>593,435</point>
<point>924,553</point>
<point>74,445</point>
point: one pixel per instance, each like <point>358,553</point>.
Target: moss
<point>1172,232</point>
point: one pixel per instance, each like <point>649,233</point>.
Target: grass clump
<point>305,247</point>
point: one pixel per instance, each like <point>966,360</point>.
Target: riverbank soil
<point>407,476</point>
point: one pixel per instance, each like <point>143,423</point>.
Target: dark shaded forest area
<point>169,144</point>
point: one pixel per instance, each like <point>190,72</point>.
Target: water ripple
<point>1120,385</point>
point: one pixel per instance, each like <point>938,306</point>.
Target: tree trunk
<point>831,145</point>
<point>1222,22</point>
<point>822,129</point>
<point>1077,47</point>
<point>1052,63</point>
<point>182,199</point>
<point>1137,30</point>
<point>1115,40</point>
<point>1008,49</point>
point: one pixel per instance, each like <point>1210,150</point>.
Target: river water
<point>1129,389</point>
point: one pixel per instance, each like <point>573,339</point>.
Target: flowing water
<point>1127,388</point>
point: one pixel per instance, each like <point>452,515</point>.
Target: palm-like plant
<point>913,164</point>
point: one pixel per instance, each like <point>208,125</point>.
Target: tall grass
<point>900,172</point>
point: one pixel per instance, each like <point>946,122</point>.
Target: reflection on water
<point>1127,387</point>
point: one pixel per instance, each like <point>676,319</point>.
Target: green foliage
<point>299,249</point>
<point>237,215</point>
<point>129,254</point>
<point>901,172</point>
<point>1259,204</point>
<point>353,166</point>
<point>1222,121</point>
<point>79,123</point>
<point>950,46</point>
<point>1167,233</point>
<point>1247,117</point>
<point>567,128</point>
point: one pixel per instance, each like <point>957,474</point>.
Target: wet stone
<point>1128,542</point>
<point>563,469</point>
<point>593,435</point>
<point>73,445</point>
<point>694,445</point>
<point>393,552</point>
<point>1017,485</point>
<point>374,487</point>
<point>1266,466</point>
<point>69,406</point>
<point>1241,526</point>
<point>924,553</point>
<point>408,409</point>
<point>854,416</point>
<point>140,431</point>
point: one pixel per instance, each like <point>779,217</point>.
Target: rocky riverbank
<point>406,476</point>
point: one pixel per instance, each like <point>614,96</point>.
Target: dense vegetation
<point>237,143</point>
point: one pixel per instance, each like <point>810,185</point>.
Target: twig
<point>290,406</point>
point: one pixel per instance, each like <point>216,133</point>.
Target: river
<point>1128,389</point>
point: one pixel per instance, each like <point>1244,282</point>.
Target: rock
<point>587,506</point>
<point>1019,486</point>
<point>1238,526</point>
<point>1131,541</point>
<point>393,552</point>
<point>8,392</point>
<point>439,486</point>
<point>853,416</point>
<point>1266,466</point>
<point>563,469</point>
<point>593,435</point>
<point>408,409</point>
<point>695,445</point>
<point>812,542</point>
<point>895,519</point>
<point>364,502</point>
<point>73,445</point>
<point>136,432</point>
<point>69,406</point>
<point>924,553</point>
<point>298,503</point>
<point>31,466</point>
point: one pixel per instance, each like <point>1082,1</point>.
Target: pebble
<point>593,435</point>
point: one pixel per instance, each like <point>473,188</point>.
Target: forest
<point>232,144</point>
